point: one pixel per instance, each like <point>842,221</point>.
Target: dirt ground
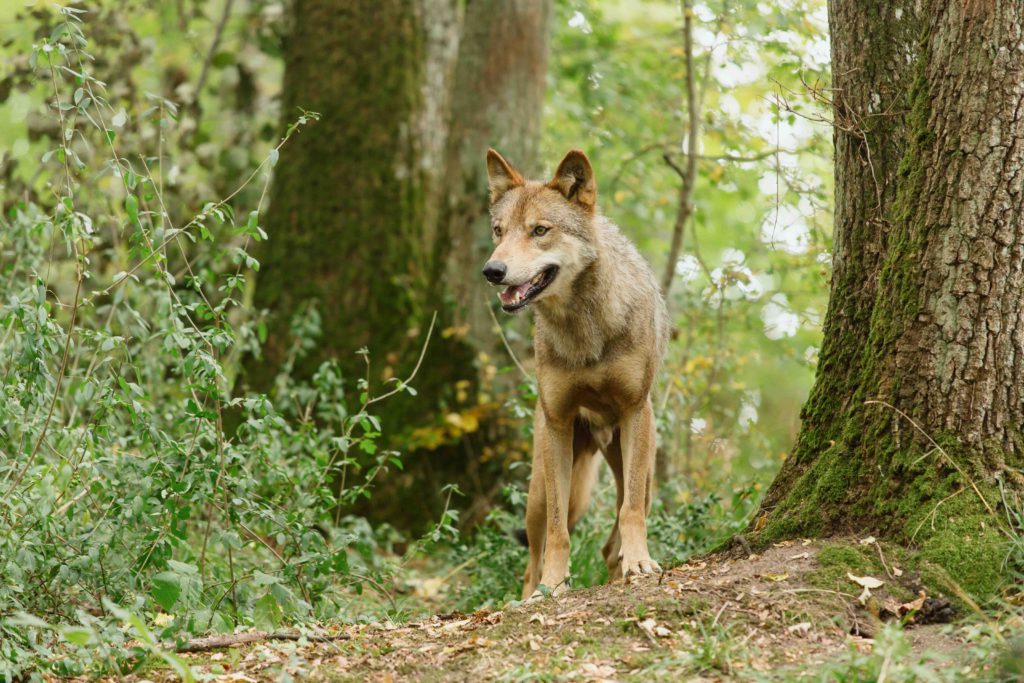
<point>780,614</point>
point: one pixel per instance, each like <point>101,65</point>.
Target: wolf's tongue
<point>513,295</point>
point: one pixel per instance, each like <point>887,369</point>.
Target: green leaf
<point>166,589</point>
<point>223,59</point>
<point>26,619</point>
<point>339,562</point>
<point>131,205</point>
<point>267,613</point>
<point>77,635</point>
<point>183,567</point>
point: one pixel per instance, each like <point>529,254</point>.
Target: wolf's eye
<point>540,230</point>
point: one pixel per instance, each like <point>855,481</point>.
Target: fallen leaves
<point>868,583</point>
<point>611,633</point>
<point>803,628</point>
<point>905,610</point>
<point>594,671</point>
<point>653,629</point>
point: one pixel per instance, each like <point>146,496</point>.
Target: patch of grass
<point>717,649</point>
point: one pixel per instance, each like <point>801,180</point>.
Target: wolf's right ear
<point>501,177</point>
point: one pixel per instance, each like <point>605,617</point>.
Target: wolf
<point>601,330</point>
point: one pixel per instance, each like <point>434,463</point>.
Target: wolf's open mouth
<point>514,298</point>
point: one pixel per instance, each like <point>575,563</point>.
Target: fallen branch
<point>218,642</point>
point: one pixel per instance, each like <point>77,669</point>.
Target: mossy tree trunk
<point>926,316</point>
<point>372,204</point>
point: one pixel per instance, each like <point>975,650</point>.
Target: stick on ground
<point>217,642</point>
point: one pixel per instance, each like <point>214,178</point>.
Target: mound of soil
<point>782,612</point>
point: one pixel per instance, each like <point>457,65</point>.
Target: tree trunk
<point>371,205</point>
<point>497,103</point>
<point>927,290</point>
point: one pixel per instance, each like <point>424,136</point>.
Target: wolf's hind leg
<point>637,435</point>
<point>610,551</point>
<point>584,471</point>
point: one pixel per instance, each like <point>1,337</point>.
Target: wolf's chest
<point>602,393</point>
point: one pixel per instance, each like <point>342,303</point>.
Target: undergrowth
<point>131,515</point>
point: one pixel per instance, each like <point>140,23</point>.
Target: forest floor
<point>795,610</point>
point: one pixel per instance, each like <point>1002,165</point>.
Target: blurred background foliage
<point>291,510</point>
<point>751,280</point>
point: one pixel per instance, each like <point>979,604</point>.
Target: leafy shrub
<point>128,499</point>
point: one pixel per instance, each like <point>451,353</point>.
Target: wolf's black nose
<point>495,271</point>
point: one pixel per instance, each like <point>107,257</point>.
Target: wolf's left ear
<point>575,179</point>
<point>501,177</point>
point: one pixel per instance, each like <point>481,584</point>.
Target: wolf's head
<point>544,232</point>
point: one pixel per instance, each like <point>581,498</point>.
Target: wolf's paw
<point>546,591</point>
<point>636,566</point>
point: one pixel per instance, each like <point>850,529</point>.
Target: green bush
<point>127,500</point>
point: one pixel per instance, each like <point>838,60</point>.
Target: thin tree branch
<point>210,54</point>
<point>689,176</point>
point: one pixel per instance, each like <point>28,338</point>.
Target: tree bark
<point>499,92</point>
<point>375,209</point>
<point>927,290</point>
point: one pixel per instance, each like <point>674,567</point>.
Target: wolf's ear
<point>501,177</point>
<point>575,179</point>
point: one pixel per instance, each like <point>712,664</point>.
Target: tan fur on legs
<point>536,515</point>
<point>584,475</point>
<point>637,463</point>
<point>610,551</point>
<point>556,450</point>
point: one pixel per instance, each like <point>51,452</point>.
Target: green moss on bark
<point>861,467</point>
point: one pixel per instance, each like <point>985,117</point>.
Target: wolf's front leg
<point>637,433</point>
<point>536,517</point>
<point>555,441</point>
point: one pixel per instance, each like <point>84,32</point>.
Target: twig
<point>218,642</point>
<point>508,347</point>
<point>56,391</point>
<point>818,590</point>
<point>952,462</point>
<point>882,558</point>
<point>412,376</point>
<point>719,615</point>
<point>932,513</point>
